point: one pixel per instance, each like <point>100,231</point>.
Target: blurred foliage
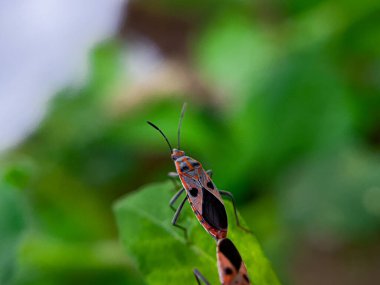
<point>294,135</point>
<point>68,233</point>
<point>348,183</point>
<point>12,225</point>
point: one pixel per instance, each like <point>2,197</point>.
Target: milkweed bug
<point>204,197</point>
<point>231,268</point>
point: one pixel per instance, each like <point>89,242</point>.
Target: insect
<point>231,268</point>
<point>204,197</point>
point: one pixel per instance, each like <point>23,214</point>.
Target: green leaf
<point>160,250</point>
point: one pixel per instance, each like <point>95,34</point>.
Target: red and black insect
<point>232,270</point>
<point>204,197</point>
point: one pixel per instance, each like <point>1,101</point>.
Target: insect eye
<point>195,164</point>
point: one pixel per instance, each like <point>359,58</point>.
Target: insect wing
<point>232,269</point>
<point>205,199</point>
<point>194,192</point>
<point>213,211</point>
<point>208,184</point>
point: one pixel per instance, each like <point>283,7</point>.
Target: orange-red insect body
<point>231,268</point>
<point>204,197</point>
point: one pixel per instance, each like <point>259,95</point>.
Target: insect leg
<point>209,172</point>
<point>176,216</point>
<point>173,174</point>
<point>231,197</point>
<point>175,197</point>
<point>173,177</point>
<point>199,277</point>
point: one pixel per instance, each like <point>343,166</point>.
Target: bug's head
<point>177,153</point>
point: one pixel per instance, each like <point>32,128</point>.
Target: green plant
<point>160,250</point>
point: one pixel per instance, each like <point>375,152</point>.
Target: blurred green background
<point>283,105</point>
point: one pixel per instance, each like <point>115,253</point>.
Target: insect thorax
<point>186,164</point>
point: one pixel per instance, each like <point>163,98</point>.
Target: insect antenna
<point>180,123</point>
<point>162,133</point>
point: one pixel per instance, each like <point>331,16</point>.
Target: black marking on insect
<point>213,210</point>
<point>193,192</point>
<point>231,268</point>
<point>246,278</point>
<point>210,185</point>
<point>229,250</point>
